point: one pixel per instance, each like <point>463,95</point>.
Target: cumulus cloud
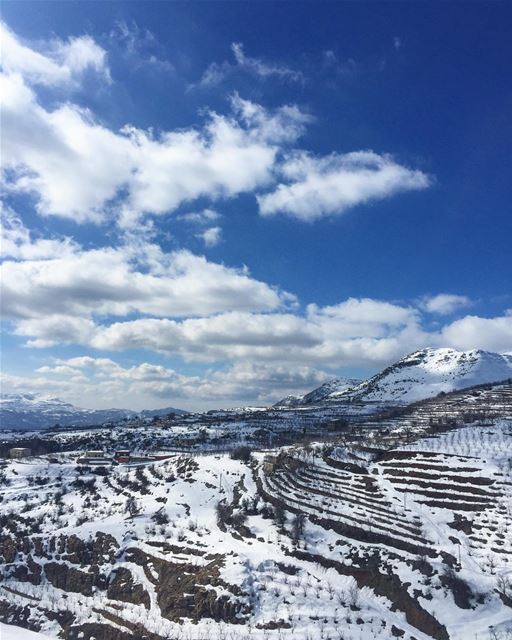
<point>55,292</point>
<point>71,164</point>
<point>445,303</point>
<point>474,332</point>
<point>351,334</point>
<point>57,63</point>
<point>78,168</point>
<point>57,287</point>
<point>322,186</point>
<point>104,382</point>
<point>54,329</point>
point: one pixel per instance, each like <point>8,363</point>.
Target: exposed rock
<point>185,590</point>
<point>68,578</point>
<point>122,587</point>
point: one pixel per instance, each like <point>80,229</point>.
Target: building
<point>122,456</point>
<point>20,452</point>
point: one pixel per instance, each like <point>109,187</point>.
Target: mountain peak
<point>418,375</point>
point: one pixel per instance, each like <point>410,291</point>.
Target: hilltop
<point>419,375</point>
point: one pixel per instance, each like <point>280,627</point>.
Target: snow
<point>423,374</point>
<point>361,503</point>
<point>10,632</point>
<point>188,488</point>
<point>29,410</point>
<point>329,389</point>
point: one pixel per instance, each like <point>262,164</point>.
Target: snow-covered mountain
<point>419,375</point>
<point>325,391</point>
<point>33,411</point>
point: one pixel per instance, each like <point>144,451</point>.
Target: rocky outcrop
<point>96,631</point>
<point>190,591</point>
<point>29,572</point>
<point>391,588</point>
<point>68,578</point>
<point>122,587</point>
<point>103,548</point>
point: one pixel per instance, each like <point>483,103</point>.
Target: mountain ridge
<point>25,411</point>
<point>418,375</point>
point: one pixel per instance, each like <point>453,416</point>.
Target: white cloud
<point>233,335</point>
<point>73,165</point>
<point>53,288</point>
<point>54,329</point>
<point>55,292</point>
<point>474,332</point>
<point>350,334</point>
<point>214,74</point>
<point>79,169</point>
<point>59,62</point>
<point>283,125</point>
<point>269,354</point>
<point>217,72</point>
<point>103,382</point>
<point>262,69</point>
<point>356,333</point>
<point>211,236</point>
<point>17,242</point>
<point>206,216</point>
<point>319,187</point>
<point>445,303</point>
<point>126,280</point>
<point>361,314</point>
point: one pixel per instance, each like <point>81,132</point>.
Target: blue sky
<point>210,204</point>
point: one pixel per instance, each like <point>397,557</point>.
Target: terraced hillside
<point>351,542</point>
<point>483,403</point>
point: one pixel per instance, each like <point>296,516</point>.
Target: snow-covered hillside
<point>327,390</point>
<point>419,375</point>
<point>33,411</point>
<point>323,542</point>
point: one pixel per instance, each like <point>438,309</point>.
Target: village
<point>97,457</point>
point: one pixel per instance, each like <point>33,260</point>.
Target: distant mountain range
<point>32,411</point>
<point>419,375</point>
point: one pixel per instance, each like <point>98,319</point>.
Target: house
<point>94,458</point>
<point>20,452</point>
<point>94,454</point>
<point>122,456</point>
